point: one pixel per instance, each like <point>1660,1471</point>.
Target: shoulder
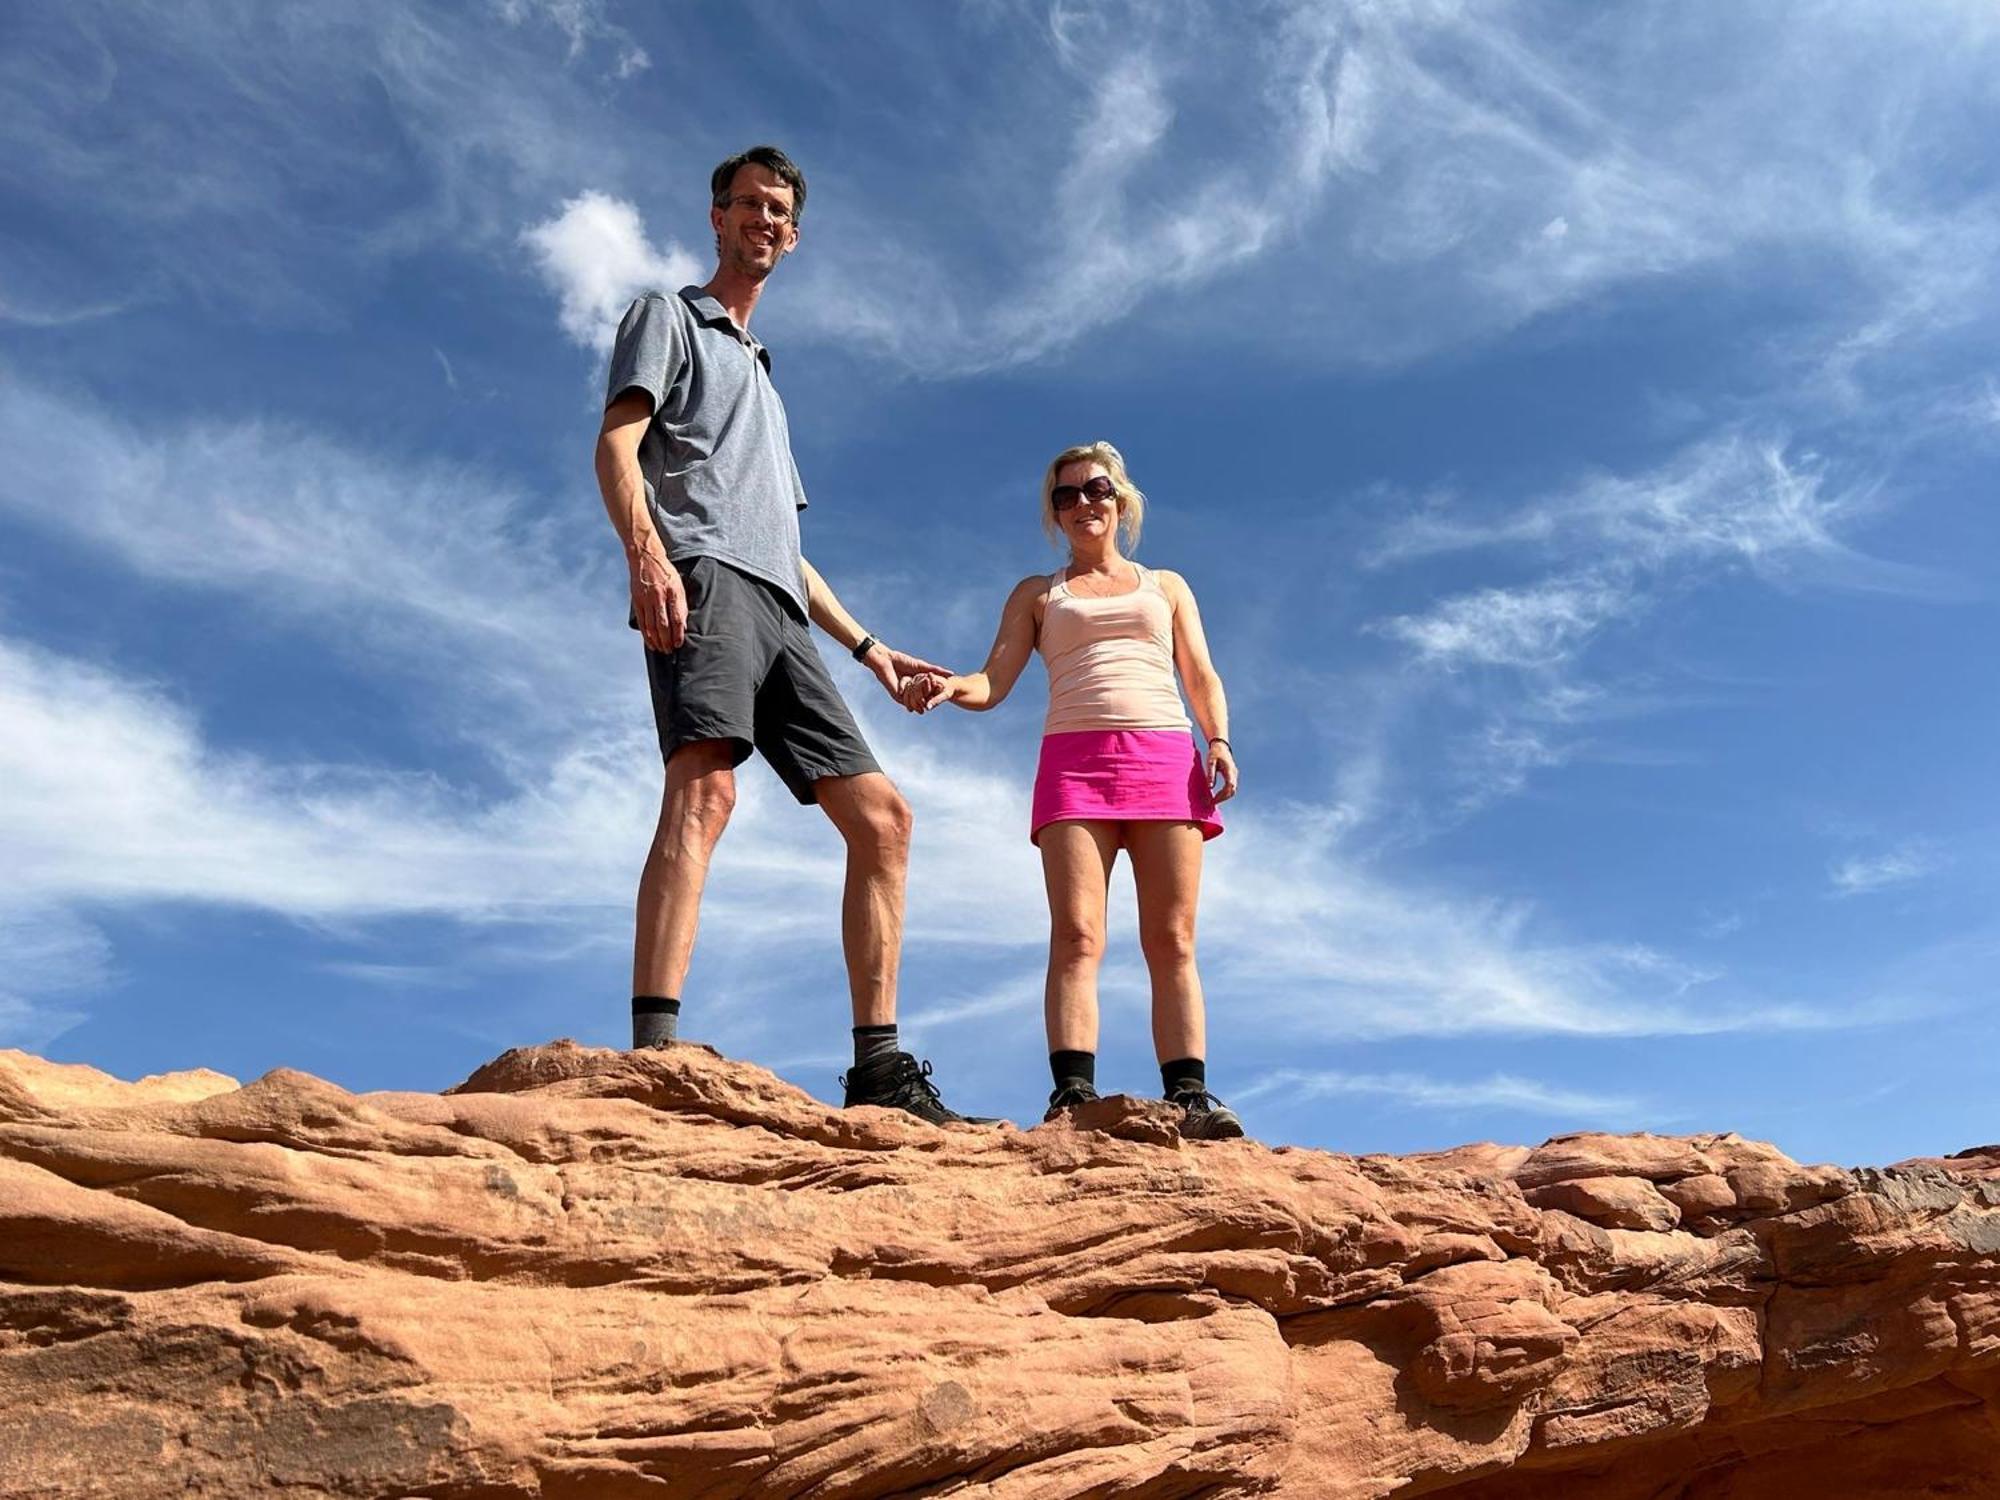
<point>1029,590</point>
<point>1172,584</point>
<point>654,307</point>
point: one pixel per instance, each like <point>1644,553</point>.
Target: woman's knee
<point>1076,940</point>
<point>1168,942</point>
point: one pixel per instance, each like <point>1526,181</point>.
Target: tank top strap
<point>1059,584</point>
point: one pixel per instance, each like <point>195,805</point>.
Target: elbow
<point>606,458</point>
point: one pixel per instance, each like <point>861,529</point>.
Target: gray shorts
<point>747,672</point>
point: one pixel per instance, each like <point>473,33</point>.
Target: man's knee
<point>701,794</point>
<point>880,819</point>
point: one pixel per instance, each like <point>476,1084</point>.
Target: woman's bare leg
<point>1076,864</point>
<point>1166,867</point>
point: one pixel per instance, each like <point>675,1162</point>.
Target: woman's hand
<point>1221,766</point>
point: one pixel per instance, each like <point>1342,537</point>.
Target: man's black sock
<point>655,1020</point>
<point>1183,1073</point>
<point>1073,1067</point>
<point>871,1042</point>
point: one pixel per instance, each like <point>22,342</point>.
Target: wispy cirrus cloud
<point>1419,175</point>
<point>1727,504</point>
<point>1863,874</point>
<point>1538,626</point>
<point>1617,548</point>
<point>584,23</point>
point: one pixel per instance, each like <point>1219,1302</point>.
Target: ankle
<point>655,1020</point>
<point>1182,1075</point>
<point>871,1042</point>
<point>1068,1067</point>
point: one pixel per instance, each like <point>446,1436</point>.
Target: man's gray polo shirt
<point>717,456</point>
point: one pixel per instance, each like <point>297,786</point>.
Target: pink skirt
<point>1123,775</point>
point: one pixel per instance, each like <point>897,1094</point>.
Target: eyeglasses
<point>1065,496</point>
<point>777,213</point>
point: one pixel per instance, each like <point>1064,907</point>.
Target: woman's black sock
<point>1182,1074</point>
<point>1073,1067</point>
<point>655,1020</point>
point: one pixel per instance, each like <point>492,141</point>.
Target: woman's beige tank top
<point>1110,661</point>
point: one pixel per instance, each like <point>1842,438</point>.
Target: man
<point>695,463</point>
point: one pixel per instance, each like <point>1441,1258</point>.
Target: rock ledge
<point>594,1273</point>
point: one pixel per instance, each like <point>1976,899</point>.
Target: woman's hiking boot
<point>1068,1096</point>
<point>1205,1117</point>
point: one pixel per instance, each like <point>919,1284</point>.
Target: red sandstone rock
<point>605,1274</point>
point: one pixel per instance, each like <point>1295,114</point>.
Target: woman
<point>1118,770</point>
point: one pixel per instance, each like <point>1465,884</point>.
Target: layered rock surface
<point>594,1273</point>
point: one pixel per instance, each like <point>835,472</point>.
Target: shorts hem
<point>808,792</point>
<point>741,745</point>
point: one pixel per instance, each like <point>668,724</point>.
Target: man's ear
<point>792,238</point>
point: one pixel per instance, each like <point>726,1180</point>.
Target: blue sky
<point>1579,425</point>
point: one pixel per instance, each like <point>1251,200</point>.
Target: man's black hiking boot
<point>1072,1093</point>
<point>1205,1117</point>
<point>897,1080</point>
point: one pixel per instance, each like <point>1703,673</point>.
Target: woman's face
<point>1088,521</point>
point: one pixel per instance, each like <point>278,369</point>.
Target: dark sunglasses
<point>1065,496</point>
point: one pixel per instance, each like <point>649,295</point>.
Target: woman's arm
<point>1202,683</point>
<point>1013,644</point>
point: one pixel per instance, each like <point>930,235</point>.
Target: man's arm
<point>659,603</point>
<point>889,665</point>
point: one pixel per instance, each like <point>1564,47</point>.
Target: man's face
<point>756,229</point>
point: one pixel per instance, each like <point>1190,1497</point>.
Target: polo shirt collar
<point>715,315</point>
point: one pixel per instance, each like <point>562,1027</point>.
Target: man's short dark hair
<point>772,160</point>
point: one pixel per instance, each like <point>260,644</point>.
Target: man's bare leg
<point>700,793</point>
<point>875,822</point>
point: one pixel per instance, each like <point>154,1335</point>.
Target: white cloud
<point>1528,627</point>
<point>1861,874</point>
<point>582,22</point>
<point>1498,1092</point>
<point>1413,175</point>
<point>1617,547</point>
<point>1725,503</point>
<point>596,258</point>
<point>1728,498</point>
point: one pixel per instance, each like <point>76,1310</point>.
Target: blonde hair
<point>1131,500</point>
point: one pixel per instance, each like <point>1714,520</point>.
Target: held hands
<point>896,670</point>
<point>659,600</point>
<point>1221,763</point>
<point>926,691</point>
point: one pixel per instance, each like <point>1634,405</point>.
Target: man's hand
<point>892,667</point>
<point>659,601</point>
